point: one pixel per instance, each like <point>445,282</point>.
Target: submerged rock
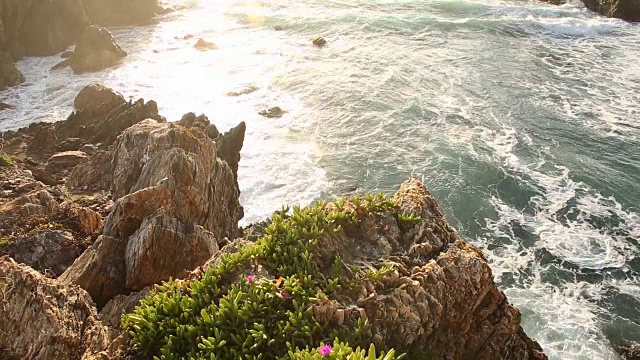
<point>319,41</point>
<point>204,45</point>
<point>4,106</point>
<point>273,112</point>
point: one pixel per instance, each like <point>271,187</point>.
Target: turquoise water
<point>521,118</point>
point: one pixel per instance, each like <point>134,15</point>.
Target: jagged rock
<point>273,112</point>
<point>40,28</point>
<point>164,248</point>
<point>95,50</point>
<point>202,186</point>
<point>37,203</point>
<point>112,312</point>
<point>98,270</point>
<point>90,221</point>
<point>9,74</point>
<point>65,160</point>
<point>89,175</point>
<point>122,12</point>
<point>190,120</point>
<point>203,45</point>
<point>43,319</point>
<point>66,54</point>
<point>50,251</point>
<point>130,210</point>
<point>624,9</point>
<point>95,95</point>
<point>319,41</point>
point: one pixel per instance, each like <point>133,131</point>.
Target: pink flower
<point>250,278</point>
<point>286,295</point>
<point>325,350</point>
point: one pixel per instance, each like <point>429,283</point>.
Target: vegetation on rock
<point>5,161</point>
<point>257,303</point>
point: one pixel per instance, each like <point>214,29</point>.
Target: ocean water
<point>522,118</point>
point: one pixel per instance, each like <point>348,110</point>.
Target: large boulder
<point>624,9</point>
<point>9,73</point>
<point>65,160</point>
<point>122,12</point>
<point>95,50</point>
<point>95,95</point>
<point>43,319</point>
<point>89,175</point>
<point>163,248</point>
<point>36,203</point>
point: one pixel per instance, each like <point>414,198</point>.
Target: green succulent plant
<point>232,313</point>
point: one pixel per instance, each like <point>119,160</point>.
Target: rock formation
<point>9,73</point>
<point>158,200</point>
<point>122,12</point>
<point>95,50</point>
<point>624,9</point>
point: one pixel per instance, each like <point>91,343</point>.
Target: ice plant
<point>325,350</point>
<point>250,278</point>
<point>286,295</point>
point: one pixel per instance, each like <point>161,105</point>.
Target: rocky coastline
<point>100,209</point>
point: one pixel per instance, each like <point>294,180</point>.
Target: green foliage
<point>407,221</point>
<point>5,160</point>
<point>227,314</point>
<point>3,242</point>
<point>342,351</point>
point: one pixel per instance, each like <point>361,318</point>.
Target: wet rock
<point>89,175</point>
<point>95,95</point>
<point>624,9</point>
<point>319,41</point>
<point>273,112</point>
<point>9,73</point>
<point>44,319</point>
<point>50,251</point>
<point>186,37</point>
<point>203,45</point>
<point>244,91</point>
<point>122,12</point>
<point>65,160</point>
<point>95,50</point>
<point>278,27</point>
<point>229,145</point>
<point>4,106</point>
<point>66,54</point>
<point>164,248</point>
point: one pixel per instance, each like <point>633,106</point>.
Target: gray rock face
<point>163,248</point>
<point>49,251</point>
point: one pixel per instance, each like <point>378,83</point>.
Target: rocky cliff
<point>624,9</point>
<point>99,209</point>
